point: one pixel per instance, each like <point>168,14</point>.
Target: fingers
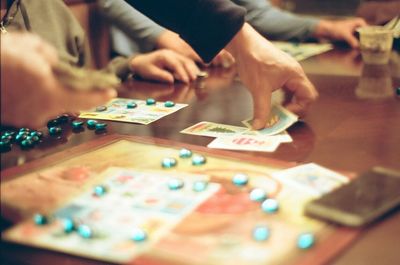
<point>78,101</point>
<point>304,93</point>
<point>159,74</point>
<point>261,107</point>
<point>181,67</point>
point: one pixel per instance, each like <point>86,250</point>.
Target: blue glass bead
<point>131,105</point>
<point>77,125</point>
<point>200,185</point>
<point>40,219</point>
<point>34,138</point>
<point>240,179</point>
<point>198,160</point>
<point>258,195</point>
<point>100,190</point>
<point>85,231</point>
<point>185,153</point>
<point>68,225</point>
<point>55,130</point>
<point>139,235</point>
<point>169,104</point>
<point>10,133</point>
<point>62,119</point>
<point>91,124</point>
<point>101,108</point>
<point>261,233</point>
<point>305,240</point>
<point>150,101</point>
<point>100,126</point>
<point>24,130</point>
<point>39,134</point>
<point>175,184</point>
<point>6,138</point>
<point>27,143</point>
<point>21,136</point>
<point>168,162</point>
<point>270,206</point>
<point>52,123</point>
<point>5,147</point>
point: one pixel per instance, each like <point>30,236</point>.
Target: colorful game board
<point>302,51</point>
<point>138,112</point>
<point>218,231</point>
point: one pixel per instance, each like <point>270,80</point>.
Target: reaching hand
<point>30,93</point>
<point>164,66</point>
<point>264,68</point>
<point>340,30</point>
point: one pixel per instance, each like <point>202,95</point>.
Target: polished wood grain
<point>353,126</point>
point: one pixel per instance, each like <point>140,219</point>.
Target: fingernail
<point>258,124</point>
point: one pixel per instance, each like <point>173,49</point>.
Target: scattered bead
<point>56,130</point>
<point>200,185</point>
<point>37,133</point>
<point>100,190</point>
<point>40,219</point>
<point>24,130</point>
<point>100,126</point>
<point>62,119</point>
<point>261,233</point>
<point>5,147</point>
<point>131,105</point>
<point>150,101</point>
<point>175,184</point>
<point>198,160</point>
<point>258,195</point>
<point>34,138</point>
<point>68,225</point>
<point>91,124</point>
<point>168,162</point>
<point>185,153</point>
<point>21,136</point>
<point>101,108</point>
<point>76,125</point>
<point>52,123</point>
<point>27,143</point>
<point>85,231</point>
<point>6,138</point>
<point>139,235</point>
<point>169,104</point>
<point>305,240</point>
<point>240,179</point>
<point>270,206</point>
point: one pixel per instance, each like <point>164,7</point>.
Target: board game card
<point>312,178</point>
<point>302,51</point>
<point>117,110</point>
<point>246,143</point>
<point>279,120</point>
<point>212,129</point>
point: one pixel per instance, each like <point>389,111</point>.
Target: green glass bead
<point>52,123</point>
<point>27,143</point>
<point>305,241</point>
<point>21,136</point>
<point>150,101</point>
<point>131,105</point>
<point>40,219</point>
<point>68,225</point>
<point>56,130</point>
<point>200,185</point>
<point>139,235</point>
<point>270,206</point>
<point>175,184</point>
<point>169,162</point>
<point>169,104</point>
<point>185,153</point>
<point>258,195</point>
<point>85,231</point>
<point>198,160</point>
<point>62,119</point>
<point>261,233</point>
<point>76,125</point>
<point>100,190</point>
<point>91,124</point>
<point>240,179</point>
<point>5,147</point>
<point>101,108</point>
<point>39,134</point>
<point>100,126</point>
<point>34,138</point>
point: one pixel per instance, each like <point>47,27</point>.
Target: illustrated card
<point>311,178</point>
<point>302,51</point>
<point>131,110</point>
<point>246,143</point>
<point>279,120</point>
<point>144,202</point>
<point>212,129</point>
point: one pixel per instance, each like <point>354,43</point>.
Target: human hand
<point>30,93</point>
<point>164,66</point>
<point>264,68</point>
<point>340,30</point>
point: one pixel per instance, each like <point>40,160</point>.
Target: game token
<point>139,235</point>
<point>168,162</point>
<point>62,119</point>
<point>56,130</point>
<point>76,125</point>
<point>6,138</point>
<point>150,101</point>
<point>270,205</point>
<point>91,124</point>
<point>305,240</point>
<point>21,136</point>
<point>85,231</point>
<point>5,147</point>
<point>24,130</point>
<point>34,138</point>
<point>198,160</point>
<point>27,143</point>
<point>200,185</point>
<point>185,153</point>
<point>101,108</point>
<point>37,133</point>
<point>131,105</point>
<point>69,225</point>
<point>169,104</point>
<point>100,190</point>
<point>40,219</point>
<point>100,126</point>
<point>258,195</point>
<point>240,179</point>
<point>52,123</point>
<point>175,184</point>
<point>261,233</point>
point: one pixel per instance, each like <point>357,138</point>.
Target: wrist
<point>323,29</point>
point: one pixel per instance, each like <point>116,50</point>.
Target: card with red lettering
<point>212,129</point>
<point>259,143</point>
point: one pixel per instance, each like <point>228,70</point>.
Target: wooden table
<point>354,125</point>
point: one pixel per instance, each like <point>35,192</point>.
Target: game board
<point>302,51</point>
<point>218,231</point>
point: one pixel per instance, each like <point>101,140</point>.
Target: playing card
<point>212,129</point>
<point>311,178</point>
<point>279,120</point>
<point>246,143</point>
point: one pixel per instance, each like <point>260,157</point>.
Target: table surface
<point>353,126</point>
